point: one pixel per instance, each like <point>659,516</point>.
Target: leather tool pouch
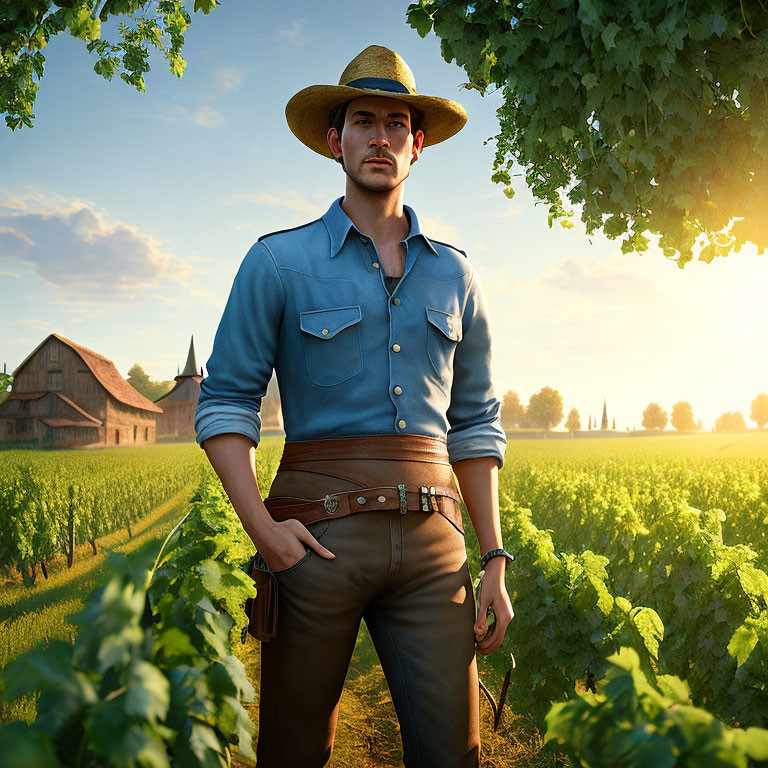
<point>262,609</point>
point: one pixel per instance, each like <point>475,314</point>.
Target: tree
<point>573,422</point>
<point>141,382</point>
<point>759,410</point>
<point>730,422</point>
<point>512,411</point>
<point>6,383</point>
<point>652,116</point>
<point>654,417</point>
<point>682,417</point>
<point>26,26</point>
<point>545,409</point>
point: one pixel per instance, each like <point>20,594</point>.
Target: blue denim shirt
<point>350,358</point>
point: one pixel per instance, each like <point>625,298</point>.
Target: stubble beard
<point>381,185</point>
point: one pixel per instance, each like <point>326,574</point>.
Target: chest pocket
<point>443,334</point>
<point>331,340</point>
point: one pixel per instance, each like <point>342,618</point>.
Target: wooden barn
<point>178,416</point>
<point>65,394</point>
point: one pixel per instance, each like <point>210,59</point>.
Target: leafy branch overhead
<point>26,26</point>
<point>651,116</point>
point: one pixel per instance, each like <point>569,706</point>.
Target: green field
<point>658,544</point>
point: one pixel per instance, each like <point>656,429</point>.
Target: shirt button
<point>364,240</point>
<point>401,424</point>
<point>395,347</point>
<point>396,300</point>
<point>324,331</point>
<point>398,390</point>
<point>376,264</point>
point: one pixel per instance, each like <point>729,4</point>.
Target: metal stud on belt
<point>403,499</point>
<point>331,504</point>
<point>424,498</point>
<point>433,499</point>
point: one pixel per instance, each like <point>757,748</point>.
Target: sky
<point>124,217</point>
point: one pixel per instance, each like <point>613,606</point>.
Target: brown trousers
<point>407,577</point>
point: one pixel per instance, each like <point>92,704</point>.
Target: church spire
<point>604,422</point>
<point>190,369</point>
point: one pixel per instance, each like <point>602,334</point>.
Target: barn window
<point>53,353</point>
<point>135,430</point>
<point>23,425</point>
<point>55,379</point>
<point>117,437</point>
<point>146,433</point>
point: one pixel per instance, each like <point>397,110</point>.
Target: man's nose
<point>379,135</point>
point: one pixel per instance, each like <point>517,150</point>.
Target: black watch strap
<point>495,553</point>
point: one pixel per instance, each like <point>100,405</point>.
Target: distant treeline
<point>545,411</point>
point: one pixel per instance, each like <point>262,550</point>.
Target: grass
<point>33,615</point>
<point>368,733</point>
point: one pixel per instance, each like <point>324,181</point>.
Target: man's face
<point>376,142</point>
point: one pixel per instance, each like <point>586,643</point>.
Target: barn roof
<point>57,422</point>
<point>50,393</point>
<point>190,369</point>
<point>105,372</point>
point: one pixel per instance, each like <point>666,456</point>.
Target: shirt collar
<point>338,225</point>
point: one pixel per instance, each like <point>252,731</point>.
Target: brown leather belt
<point>386,472</point>
<point>391,472</point>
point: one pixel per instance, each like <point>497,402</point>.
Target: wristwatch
<point>495,553</point>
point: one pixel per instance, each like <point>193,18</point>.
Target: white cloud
<point>281,197</point>
<point>229,78</point>
<point>204,115</point>
<point>87,259</point>
<point>633,329</point>
<point>435,227</point>
<point>292,34</point>
<point>504,213</point>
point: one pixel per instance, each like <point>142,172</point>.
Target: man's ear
<point>334,144</point>
<point>418,145</point>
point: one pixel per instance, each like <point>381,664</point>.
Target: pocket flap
<point>326,323</point>
<point>449,325</point>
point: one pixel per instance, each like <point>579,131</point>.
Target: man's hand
<point>284,545</point>
<point>492,593</point>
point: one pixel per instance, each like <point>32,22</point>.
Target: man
<point>381,345</point>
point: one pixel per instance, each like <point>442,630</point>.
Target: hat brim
<point>307,113</point>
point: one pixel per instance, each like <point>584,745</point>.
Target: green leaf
<point>742,643</point>
<point>420,20</point>
<point>608,35</point>
<point>22,746</point>
<point>752,742</point>
<point>148,692</point>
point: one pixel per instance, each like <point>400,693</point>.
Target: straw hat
<point>376,71</point>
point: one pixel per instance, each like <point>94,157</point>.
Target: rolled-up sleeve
<point>474,414</point>
<point>244,349</point>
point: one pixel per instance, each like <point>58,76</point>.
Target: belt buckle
<point>424,498</point>
<point>331,504</point>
